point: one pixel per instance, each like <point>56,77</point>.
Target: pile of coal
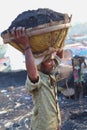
<point>33,18</point>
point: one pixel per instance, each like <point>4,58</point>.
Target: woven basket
<point>50,35</point>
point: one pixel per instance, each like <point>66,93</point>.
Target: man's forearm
<point>30,65</point>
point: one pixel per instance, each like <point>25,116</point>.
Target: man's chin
<point>49,72</point>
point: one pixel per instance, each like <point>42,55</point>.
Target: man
<point>41,84</point>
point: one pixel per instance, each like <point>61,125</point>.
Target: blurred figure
<point>77,63</point>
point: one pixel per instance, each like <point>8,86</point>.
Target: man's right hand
<point>20,36</point>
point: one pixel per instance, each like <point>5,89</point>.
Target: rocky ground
<point>16,105</point>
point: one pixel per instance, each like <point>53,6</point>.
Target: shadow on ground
<point>13,78</point>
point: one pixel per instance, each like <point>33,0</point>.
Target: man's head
<point>48,64</point>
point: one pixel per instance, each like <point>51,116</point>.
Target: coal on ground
<point>13,78</point>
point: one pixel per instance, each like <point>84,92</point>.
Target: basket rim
<point>41,29</point>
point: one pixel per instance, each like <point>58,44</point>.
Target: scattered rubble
<point>16,108</point>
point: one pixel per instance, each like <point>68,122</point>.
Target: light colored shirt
<point>46,113</point>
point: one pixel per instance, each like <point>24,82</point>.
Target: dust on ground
<point>16,105</point>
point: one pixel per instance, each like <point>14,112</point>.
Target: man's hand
<point>20,36</point>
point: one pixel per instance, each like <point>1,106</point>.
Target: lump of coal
<point>33,18</point>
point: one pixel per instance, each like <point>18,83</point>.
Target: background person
<point>77,63</point>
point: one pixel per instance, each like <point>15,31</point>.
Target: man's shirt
<point>46,113</point>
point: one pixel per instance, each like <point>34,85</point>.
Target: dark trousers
<point>78,91</point>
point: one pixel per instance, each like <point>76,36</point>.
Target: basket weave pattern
<point>42,42</point>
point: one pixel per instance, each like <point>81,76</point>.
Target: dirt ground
<point>16,105</point>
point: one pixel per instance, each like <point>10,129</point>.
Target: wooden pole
<point>37,31</point>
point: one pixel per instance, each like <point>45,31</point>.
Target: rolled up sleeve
<point>32,86</point>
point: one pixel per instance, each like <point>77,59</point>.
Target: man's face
<point>49,64</point>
